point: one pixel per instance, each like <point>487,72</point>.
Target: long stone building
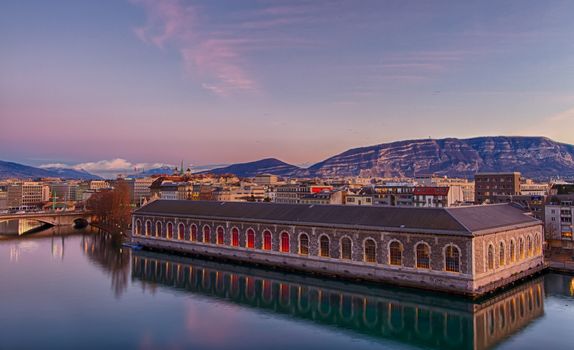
<point>466,250</point>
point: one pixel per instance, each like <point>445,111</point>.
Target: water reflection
<point>414,318</point>
<point>20,227</point>
<point>105,251</point>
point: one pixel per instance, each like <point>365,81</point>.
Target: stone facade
<point>472,276</point>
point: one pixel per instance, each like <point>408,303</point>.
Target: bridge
<point>61,218</point>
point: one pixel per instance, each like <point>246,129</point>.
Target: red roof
<point>430,191</point>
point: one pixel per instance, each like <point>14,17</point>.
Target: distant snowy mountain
<point>66,173</point>
<point>164,170</point>
<point>20,171</point>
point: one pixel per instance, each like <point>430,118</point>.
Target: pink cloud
<point>214,61</point>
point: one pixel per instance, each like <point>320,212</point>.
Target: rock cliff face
<point>534,157</point>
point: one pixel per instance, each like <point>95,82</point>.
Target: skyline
<point>505,149</point>
<point>228,82</point>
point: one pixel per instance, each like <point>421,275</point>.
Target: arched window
<point>520,248</point>
<point>512,252</point>
<point>250,238</point>
<point>158,229</point>
<point>181,231</point>
<point>370,250</point>
<point>423,256</point>
<point>206,234</point>
<point>169,230</point>
<point>537,244</point>
<point>490,257</point>
<point>284,242</point>
<point>529,246</point>
<point>346,248</point>
<point>235,237</point>
<point>266,240</point>
<point>396,253</point>
<point>148,228</point>
<point>324,246</point>
<point>501,254</point>
<point>452,259</point>
<point>303,244</point>
<point>138,230</point>
<point>220,235</point>
<point>194,232</point>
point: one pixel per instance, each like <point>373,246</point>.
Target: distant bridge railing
<point>57,218</point>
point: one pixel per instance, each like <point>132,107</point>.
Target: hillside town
<point>550,202</point>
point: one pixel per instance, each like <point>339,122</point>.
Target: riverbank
<point>560,260</point>
<point>111,229</point>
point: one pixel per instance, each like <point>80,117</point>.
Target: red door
<point>285,242</point>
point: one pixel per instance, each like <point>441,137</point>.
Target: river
<point>80,289</point>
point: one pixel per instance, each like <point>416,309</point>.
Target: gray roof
<point>460,220</point>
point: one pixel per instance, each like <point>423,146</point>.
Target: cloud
<point>565,116</point>
<point>557,126</point>
<point>212,60</point>
<point>107,168</point>
<point>54,165</point>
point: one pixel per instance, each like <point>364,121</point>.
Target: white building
<point>558,221</point>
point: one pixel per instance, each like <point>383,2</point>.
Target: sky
<point>125,83</point>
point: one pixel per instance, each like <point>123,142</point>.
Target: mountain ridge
<point>16,170</point>
<point>533,156</point>
<point>250,169</point>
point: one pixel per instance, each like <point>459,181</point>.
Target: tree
<point>112,207</point>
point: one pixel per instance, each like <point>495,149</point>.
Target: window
<point>520,248</point>
<point>193,232</point>
<point>537,244</point>
<point>423,256</point>
<point>303,244</point>
<point>158,229</point>
<point>206,234</point>
<point>250,238</point>
<point>138,230</point>
<point>324,246</point>
<point>148,228</point>
<point>396,253</point>
<point>220,235</point>
<point>452,259</point>
<point>266,240</point>
<point>370,251</point>
<point>490,257</point>
<point>529,246</point>
<point>169,230</point>
<point>235,237</point>
<point>501,256</point>
<point>285,242</point>
<point>181,231</point>
<point>512,252</point>
<point>346,248</point>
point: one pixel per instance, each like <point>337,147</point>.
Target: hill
<point>20,171</point>
<point>534,157</point>
<point>250,169</point>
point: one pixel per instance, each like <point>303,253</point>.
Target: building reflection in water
<point>20,227</point>
<point>420,319</point>
<point>105,251</point>
<point>58,247</point>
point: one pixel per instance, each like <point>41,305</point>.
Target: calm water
<point>83,291</point>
